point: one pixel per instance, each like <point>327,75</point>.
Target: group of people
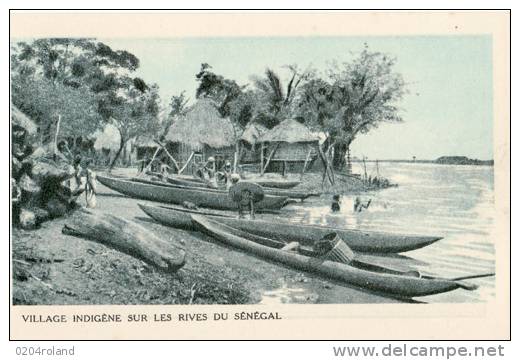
<point>211,175</point>
<point>358,204</point>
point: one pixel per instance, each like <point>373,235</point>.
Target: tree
<point>275,99</point>
<point>132,110</point>
<point>178,107</point>
<point>356,97</point>
<point>68,80</point>
<point>221,90</point>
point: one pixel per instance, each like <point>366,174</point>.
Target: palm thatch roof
<point>109,138</point>
<point>289,131</point>
<point>202,124</point>
<point>18,118</point>
<point>253,132</point>
<point>145,142</point>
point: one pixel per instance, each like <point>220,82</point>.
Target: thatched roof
<point>202,124</point>
<point>289,131</point>
<point>109,138</point>
<point>145,142</point>
<point>20,119</point>
<point>253,132</point>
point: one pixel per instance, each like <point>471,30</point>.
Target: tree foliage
<point>274,100</point>
<point>84,82</point>
<point>353,98</point>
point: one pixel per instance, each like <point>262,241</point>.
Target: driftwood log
<point>127,237</point>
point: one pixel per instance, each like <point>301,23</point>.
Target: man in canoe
<point>164,172</point>
<point>227,172</point>
<point>209,173</point>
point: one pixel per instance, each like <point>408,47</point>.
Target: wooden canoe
<point>178,195</point>
<point>388,282</point>
<point>275,183</point>
<point>362,241</point>
<point>299,195</point>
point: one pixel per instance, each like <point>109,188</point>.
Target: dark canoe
<point>275,183</point>
<point>178,195</point>
<point>299,195</point>
<point>377,279</point>
<point>362,241</point>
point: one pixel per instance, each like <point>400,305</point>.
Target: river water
<point>455,202</point>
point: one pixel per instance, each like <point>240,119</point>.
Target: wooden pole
<point>365,168</point>
<point>270,156</point>
<point>150,163</point>
<point>56,135</point>
<point>306,161</point>
<point>187,162</point>
<point>262,159</point>
<point>169,155</point>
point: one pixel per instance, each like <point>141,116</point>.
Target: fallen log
<point>125,236</point>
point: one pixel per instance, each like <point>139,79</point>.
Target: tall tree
<point>221,90</point>
<point>274,99</point>
<point>83,75</point>
<point>178,107</point>
<point>66,76</point>
<point>133,108</point>
<point>356,97</point>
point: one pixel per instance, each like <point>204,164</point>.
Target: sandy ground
<point>52,268</point>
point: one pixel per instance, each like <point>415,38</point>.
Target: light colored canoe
<point>178,195</point>
<point>381,281</point>
<point>362,241</point>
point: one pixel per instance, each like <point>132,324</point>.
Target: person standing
<point>90,185</point>
<point>336,203</point>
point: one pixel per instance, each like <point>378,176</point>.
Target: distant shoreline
<point>444,160</point>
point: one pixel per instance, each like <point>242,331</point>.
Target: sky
<point>448,111</point>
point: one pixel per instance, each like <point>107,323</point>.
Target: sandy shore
<point>52,268</point>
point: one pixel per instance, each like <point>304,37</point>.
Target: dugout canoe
<point>379,279</point>
<point>362,241</point>
<point>299,195</point>
<point>275,183</point>
<point>178,195</point>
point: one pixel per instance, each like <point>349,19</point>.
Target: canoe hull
<point>173,195</point>
<point>362,241</point>
<point>397,285</point>
<point>299,195</point>
<point>276,184</point>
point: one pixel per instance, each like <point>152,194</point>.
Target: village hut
<point>289,146</point>
<point>106,143</point>
<point>199,134</point>
<point>249,144</point>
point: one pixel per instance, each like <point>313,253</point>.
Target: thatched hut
<point>202,133</point>
<point>289,146</point>
<point>249,143</point>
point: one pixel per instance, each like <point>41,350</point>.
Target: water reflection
<point>456,202</point>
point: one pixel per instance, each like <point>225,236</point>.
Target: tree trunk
<point>127,237</point>
<point>121,146</point>
<point>340,152</point>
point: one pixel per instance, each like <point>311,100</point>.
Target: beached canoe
<point>377,279</point>
<point>362,241</point>
<point>275,183</point>
<point>299,195</point>
<point>178,195</point>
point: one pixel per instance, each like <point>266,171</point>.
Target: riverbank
<point>52,268</point>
